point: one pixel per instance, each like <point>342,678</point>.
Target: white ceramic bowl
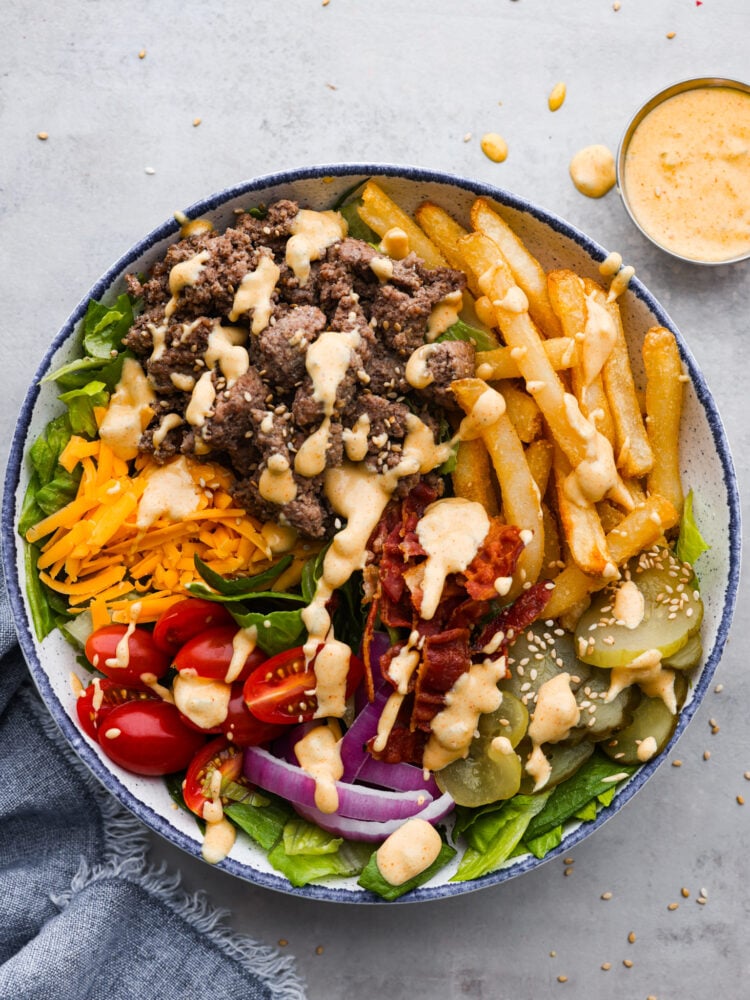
<point>707,465</point>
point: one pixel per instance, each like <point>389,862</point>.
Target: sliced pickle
<point>537,656</point>
<point>599,718</point>
<point>688,657</point>
<point>564,759</point>
<point>492,770</point>
<point>646,736</point>
<point>672,613</point>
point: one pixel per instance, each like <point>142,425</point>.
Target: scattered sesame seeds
<point>283,942</point>
<point>740,800</point>
<point>43,136</point>
<point>562,979</point>
<point>467,137</point>
<point>606,895</point>
<point>568,861</point>
<point>616,5</point>
<point>631,937</point>
<point>671,34</point>
<point>150,170</point>
<point>553,954</point>
<point>746,775</point>
<point>673,906</point>
<point>196,122</point>
<point>606,966</point>
<point>706,754</point>
<point>628,963</point>
<point>142,54</point>
<point>568,871</point>
<point>719,688</point>
<point>676,763</point>
<point>319,950</point>
<point>685,892</point>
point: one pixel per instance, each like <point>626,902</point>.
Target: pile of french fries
<point>563,369</point>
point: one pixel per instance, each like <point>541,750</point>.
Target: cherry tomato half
<point>279,690</point>
<point>186,619</point>
<point>242,727</point>
<point>218,755</point>
<point>148,737</point>
<point>209,654</point>
<point>143,655</point>
<point>98,700</point>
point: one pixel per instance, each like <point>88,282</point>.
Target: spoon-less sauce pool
<point>686,174</point>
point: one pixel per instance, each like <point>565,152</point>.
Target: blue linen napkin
<point>82,916</point>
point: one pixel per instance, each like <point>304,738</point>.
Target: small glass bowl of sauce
<point>683,170</point>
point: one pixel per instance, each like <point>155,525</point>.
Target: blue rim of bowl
<point>10,541</point>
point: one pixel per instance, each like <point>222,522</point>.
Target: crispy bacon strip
<point>445,657</point>
<point>516,617</point>
<point>496,558</point>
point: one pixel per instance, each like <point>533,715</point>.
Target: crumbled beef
<point>273,408</point>
<point>450,360</point>
<point>282,345</point>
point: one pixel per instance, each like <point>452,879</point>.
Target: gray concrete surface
<point>280,84</point>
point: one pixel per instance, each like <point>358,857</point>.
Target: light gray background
<point>282,84</point>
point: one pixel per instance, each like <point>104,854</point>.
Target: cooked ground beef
<point>269,406</point>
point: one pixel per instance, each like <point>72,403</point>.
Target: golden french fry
<point>521,503</point>
<point>568,298</point>
<point>381,214</point>
<point>472,477</point>
<point>664,392</point>
<point>499,364</point>
<point>634,455</point>
<point>539,456</point>
<point>609,515</point>
<point>581,526</point>
<point>444,232</point>
<point>524,413</point>
<point>637,531</point>
<point>526,269</point>
<point>572,431</point>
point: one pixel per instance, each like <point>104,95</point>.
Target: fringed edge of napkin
<point>126,844</point>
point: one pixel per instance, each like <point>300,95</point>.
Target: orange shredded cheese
<point>95,554</point>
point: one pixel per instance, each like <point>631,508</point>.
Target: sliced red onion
<point>364,727</point>
<point>352,829</point>
<point>355,801</point>
<point>398,777</point>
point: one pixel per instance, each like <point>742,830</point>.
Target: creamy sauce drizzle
<point>355,439</point>
<point>444,314</point>
<point>276,483</point>
<point>408,851</point>
<point>203,700</point>
<point>256,292</point>
<point>130,411</point>
<point>647,672</point>
<point>450,531</point>
<point>555,714</point>
<point>312,233</point>
<point>183,275</point>
<point>225,347</point>
<point>201,400</point>
<point>319,755</point>
<point>244,642</point>
<point>170,491</point>
<point>592,170</point>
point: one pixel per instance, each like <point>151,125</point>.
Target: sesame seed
<point>562,979</point>
<point>568,861</point>
<point>606,966</point>
<point>196,122</point>
<point>676,763</point>
<point>568,871</point>
<point>628,963</point>
<point>719,688</point>
<point>673,906</point>
<point>746,775</point>
<point>142,54</point>
<point>706,754</point>
<point>283,942</point>
<point>150,170</point>
<point>671,34</point>
<point>553,954</point>
<point>606,895</point>
<point>631,937</point>
<point>740,800</point>
<point>685,892</point>
<point>319,950</point>
<point>43,136</point>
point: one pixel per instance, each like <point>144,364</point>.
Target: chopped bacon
<point>372,617</point>
<point>496,558</point>
<point>403,745</point>
<point>445,657</point>
<point>516,617</point>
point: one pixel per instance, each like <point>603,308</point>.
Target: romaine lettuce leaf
<point>494,835</point>
<point>300,869</point>
<point>372,879</point>
<point>690,544</point>
<point>482,340</point>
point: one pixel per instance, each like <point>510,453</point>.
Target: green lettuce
<point>494,836</point>
<point>482,340</point>
<point>690,544</point>
<point>372,879</point>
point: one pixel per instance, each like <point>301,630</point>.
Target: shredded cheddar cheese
<point>95,554</point>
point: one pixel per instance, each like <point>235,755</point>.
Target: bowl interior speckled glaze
<point>706,465</point>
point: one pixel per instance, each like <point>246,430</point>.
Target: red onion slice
<point>355,801</point>
<point>352,829</point>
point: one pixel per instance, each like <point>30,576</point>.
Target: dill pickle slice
<point>599,718</point>
<point>564,760</point>
<point>688,657</point>
<point>490,772</point>
<point>537,656</point>
<point>647,735</point>
<point>672,613</point>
